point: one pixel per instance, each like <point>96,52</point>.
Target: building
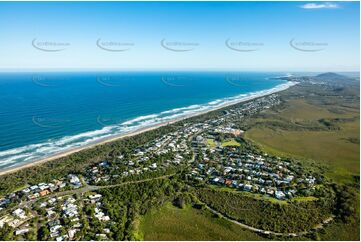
<point>19,213</point>
<point>44,193</point>
<point>280,195</point>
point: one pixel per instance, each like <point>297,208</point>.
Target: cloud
<point>319,5</point>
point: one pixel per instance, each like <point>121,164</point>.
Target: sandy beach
<point>136,132</point>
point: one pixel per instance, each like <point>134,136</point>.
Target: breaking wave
<point>26,154</point>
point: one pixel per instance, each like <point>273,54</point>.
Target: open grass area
<point>231,142</point>
<point>304,199</point>
<point>340,231</point>
<point>339,148</point>
<point>301,110</point>
<point>211,143</point>
<point>172,223</point>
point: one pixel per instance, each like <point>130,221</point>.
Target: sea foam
<point>29,153</point>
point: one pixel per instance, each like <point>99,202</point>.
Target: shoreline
<point>141,130</point>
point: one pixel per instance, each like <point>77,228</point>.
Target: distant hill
<point>340,83</point>
<point>331,76</point>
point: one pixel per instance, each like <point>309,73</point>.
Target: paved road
<point>298,234</point>
<point>88,188</point>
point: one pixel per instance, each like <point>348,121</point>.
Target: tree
<point>179,202</point>
<point>43,233</point>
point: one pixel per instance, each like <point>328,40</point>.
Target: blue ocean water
<point>45,113</point>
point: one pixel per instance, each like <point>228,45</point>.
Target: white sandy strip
<point>63,147</point>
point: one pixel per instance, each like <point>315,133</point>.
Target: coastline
<point>141,130</point>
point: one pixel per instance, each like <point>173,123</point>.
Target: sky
<point>249,36</point>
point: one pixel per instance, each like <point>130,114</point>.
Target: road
<point>87,188</point>
<point>298,234</point>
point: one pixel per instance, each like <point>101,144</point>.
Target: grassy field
<point>172,223</point>
<point>319,126</point>
<point>211,143</point>
<point>304,199</point>
<point>231,142</point>
<point>332,147</point>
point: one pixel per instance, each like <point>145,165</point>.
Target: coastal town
<point>209,153</point>
<point>173,120</point>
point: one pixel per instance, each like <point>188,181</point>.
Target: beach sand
<point>135,132</point>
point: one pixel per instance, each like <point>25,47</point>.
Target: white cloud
<point>319,5</point>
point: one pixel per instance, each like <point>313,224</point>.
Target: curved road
<point>318,226</point>
<point>87,188</point>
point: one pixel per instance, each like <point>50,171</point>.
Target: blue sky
<point>267,36</point>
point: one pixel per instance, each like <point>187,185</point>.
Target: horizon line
<point>23,70</point>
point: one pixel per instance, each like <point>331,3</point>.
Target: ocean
<point>42,114</point>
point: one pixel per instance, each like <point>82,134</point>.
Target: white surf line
<point>61,147</point>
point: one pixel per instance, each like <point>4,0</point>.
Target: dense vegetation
<point>77,162</point>
<point>271,216</point>
<point>173,223</point>
<point>318,125</point>
<point>314,122</point>
<point>125,204</point>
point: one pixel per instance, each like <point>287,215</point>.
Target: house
<point>227,170</point>
<point>26,190</point>
<point>54,234</point>
<point>70,209</point>
<point>248,187</point>
<point>95,197</point>
<point>102,236</point>
<point>43,204</point>
<point>61,185</point>
<point>77,225</point>
<point>74,180</point>
<point>19,213</point>
<point>44,193</point>
<point>199,139</point>
<point>280,195</point>
<point>43,186</point>
<point>53,223</point>
<point>61,238</point>
<point>50,212</point>
<point>21,231</point>
<point>34,187</point>
<point>228,182</point>
<point>55,228</point>
<point>71,233</point>
<point>52,187</point>
<point>4,202</point>
<point>270,191</point>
